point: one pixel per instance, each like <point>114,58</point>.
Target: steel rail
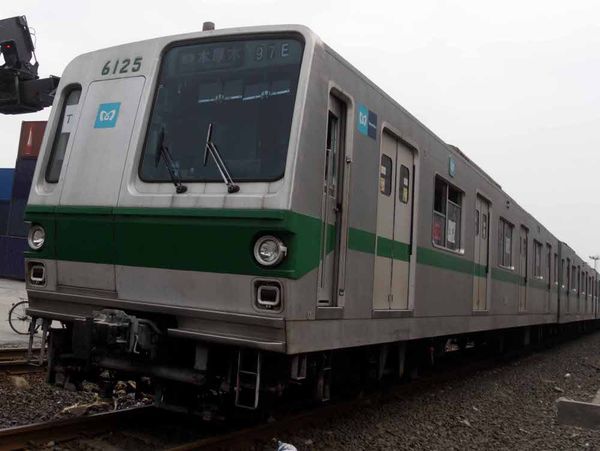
<point>16,353</point>
<point>39,434</point>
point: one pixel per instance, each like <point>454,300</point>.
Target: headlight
<point>269,250</point>
<point>36,237</point>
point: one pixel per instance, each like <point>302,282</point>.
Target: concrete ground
<point>11,291</point>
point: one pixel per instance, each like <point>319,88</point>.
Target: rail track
<point>39,434</point>
<point>246,435</point>
<point>15,361</point>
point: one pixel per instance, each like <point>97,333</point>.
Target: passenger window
<point>476,222</point>
<point>385,175</point>
<point>537,256</point>
<point>549,265</point>
<point>404,184</point>
<point>66,123</point>
<point>505,232</point>
<point>447,212</point>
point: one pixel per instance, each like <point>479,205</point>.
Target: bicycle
<point>19,320</point>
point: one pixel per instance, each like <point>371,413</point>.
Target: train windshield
<point>245,88</point>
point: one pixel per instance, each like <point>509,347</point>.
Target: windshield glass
<point>245,88</point>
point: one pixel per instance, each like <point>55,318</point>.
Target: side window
<point>404,191</point>
<point>537,257</point>
<point>66,123</point>
<point>505,232</point>
<point>556,269</point>
<point>476,222</point>
<point>385,175</point>
<point>447,215</point>
<point>549,265</point>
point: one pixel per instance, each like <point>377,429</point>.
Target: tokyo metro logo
<point>107,116</point>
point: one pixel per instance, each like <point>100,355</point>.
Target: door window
<point>65,127</point>
<point>385,175</point>
<point>404,191</point>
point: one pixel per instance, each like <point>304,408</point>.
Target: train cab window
<point>447,215</point>
<point>244,89</point>
<point>505,232</point>
<point>404,190</point>
<point>537,260</point>
<point>66,124</point>
<point>385,175</point>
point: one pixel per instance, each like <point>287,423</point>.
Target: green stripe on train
<point>208,240</point>
<point>211,240</point>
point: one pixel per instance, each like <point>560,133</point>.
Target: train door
<point>333,233</point>
<point>523,268</point>
<point>480,282</point>
<point>394,222</point>
<point>402,227</point>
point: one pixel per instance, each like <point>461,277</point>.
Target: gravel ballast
<point>509,407</point>
<point>27,398</point>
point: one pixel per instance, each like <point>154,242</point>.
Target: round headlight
<point>36,237</point>
<point>269,250</point>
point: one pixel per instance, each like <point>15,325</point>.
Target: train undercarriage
<point>215,380</point>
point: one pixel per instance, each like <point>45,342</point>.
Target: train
<point>238,214</point>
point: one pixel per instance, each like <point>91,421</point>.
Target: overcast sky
<point>514,84</point>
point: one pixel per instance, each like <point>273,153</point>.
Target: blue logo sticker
<point>107,116</point>
<point>367,122</point>
<point>363,120</point>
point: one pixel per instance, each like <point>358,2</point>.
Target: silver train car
<point>230,211</point>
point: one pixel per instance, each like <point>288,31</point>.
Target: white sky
<point>514,84</point>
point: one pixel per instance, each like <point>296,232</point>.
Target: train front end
<point>162,242</point>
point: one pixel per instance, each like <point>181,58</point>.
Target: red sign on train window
<point>437,231</point>
<point>30,142</point>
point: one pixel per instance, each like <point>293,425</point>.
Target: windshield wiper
<point>216,155</point>
<point>163,151</point>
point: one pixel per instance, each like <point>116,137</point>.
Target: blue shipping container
<point>12,260</point>
<point>4,211</point>
<point>20,193</point>
<point>6,183</point>
<point>24,170</point>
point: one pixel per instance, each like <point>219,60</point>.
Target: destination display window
<point>505,236</point>
<point>447,212</point>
